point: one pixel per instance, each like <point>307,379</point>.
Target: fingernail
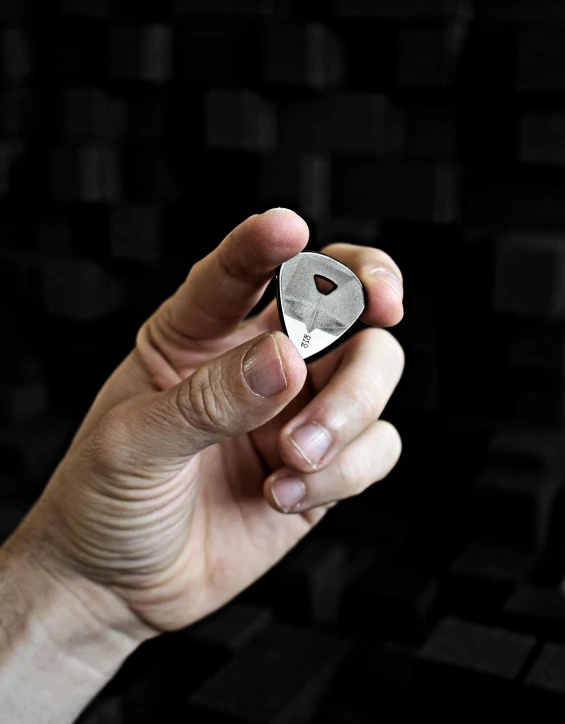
<point>278,208</point>
<point>288,492</point>
<point>312,441</point>
<point>262,368</point>
<point>389,279</point>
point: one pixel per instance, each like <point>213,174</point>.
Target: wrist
<point>66,634</point>
<point>63,609</point>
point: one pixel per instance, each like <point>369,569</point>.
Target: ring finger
<point>368,459</point>
<point>355,395</point>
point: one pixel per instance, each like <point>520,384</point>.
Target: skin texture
<point>163,509</point>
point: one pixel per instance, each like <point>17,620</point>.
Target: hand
<point>173,493</point>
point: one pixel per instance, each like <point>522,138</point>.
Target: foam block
<point>240,119</point>
<point>367,124</point>
<point>343,715</point>
<point>537,611</point>
<point>204,648</point>
<point>524,198</point>
<point>91,174</point>
<point>315,572</point>
<point>471,660</point>
<point>537,345</point>
<point>135,233</point>
<point>23,403</point>
<point>541,138</point>
<point>415,190</point>
<point>540,55</point>
<point>11,154</point>
<point>530,271</point>
<point>19,112</point>
<point>141,53</point>
<point>54,234</point>
<point>482,578</point>
<point>16,60</point>
<point>147,119</point>
<point>227,53</point>
<point>431,131</point>
<point>86,8</point>
<point>428,55</point>
<point>76,52</point>
<point>400,8</point>
<point>537,399</point>
<point>302,183</point>
<point>515,505</point>
<point>230,8</point>
<point>298,54</point>
<point>528,448</point>
<point>389,669</point>
<point>279,677</point>
<point>16,9</point>
<point>31,452</point>
<point>385,602</point>
<point>79,289</point>
<point>356,522</point>
<point>510,12</point>
<point>149,175</point>
<point>546,679</point>
<point>92,113</point>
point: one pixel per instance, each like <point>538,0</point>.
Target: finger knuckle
<point>108,441</point>
<point>367,398</point>
<point>390,446</point>
<point>349,474</point>
<point>202,400</point>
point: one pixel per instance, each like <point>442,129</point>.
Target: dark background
<point>133,137</point>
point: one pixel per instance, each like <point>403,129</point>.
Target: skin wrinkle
<point>70,523</point>
<point>89,547</point>
<point>146,335</point>
<point>209,412</point>
<point>153,517</point>
<point>83,606</point>
<point>241,274</point>
<point>229,318</point>
<point>148,493</point>
<point>155,512</point>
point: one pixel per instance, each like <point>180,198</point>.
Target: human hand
<point>170,495</point>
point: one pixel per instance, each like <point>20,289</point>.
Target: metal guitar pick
<point>318,299</point>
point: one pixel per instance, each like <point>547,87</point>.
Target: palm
<point>227,535</point>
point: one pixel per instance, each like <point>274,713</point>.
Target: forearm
<point>55,655</point>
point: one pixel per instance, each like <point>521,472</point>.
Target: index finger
<point>224,286</point>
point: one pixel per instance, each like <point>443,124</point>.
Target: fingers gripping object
<point>318,299</point>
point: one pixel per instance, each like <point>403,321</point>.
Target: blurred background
<point>133,137</point>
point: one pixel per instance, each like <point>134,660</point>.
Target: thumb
<point>228,396</point>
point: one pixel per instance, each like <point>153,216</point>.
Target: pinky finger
<point>366,460</point>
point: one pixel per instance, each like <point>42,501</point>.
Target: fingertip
<point>278,233</point>
<point>384,305</point>
<point>294,365</point>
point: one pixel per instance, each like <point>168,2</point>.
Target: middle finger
<point>369,368</point>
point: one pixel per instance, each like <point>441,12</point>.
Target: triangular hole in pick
<point>324,285</point>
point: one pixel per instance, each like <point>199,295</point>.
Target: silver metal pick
<point>319,299</point>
